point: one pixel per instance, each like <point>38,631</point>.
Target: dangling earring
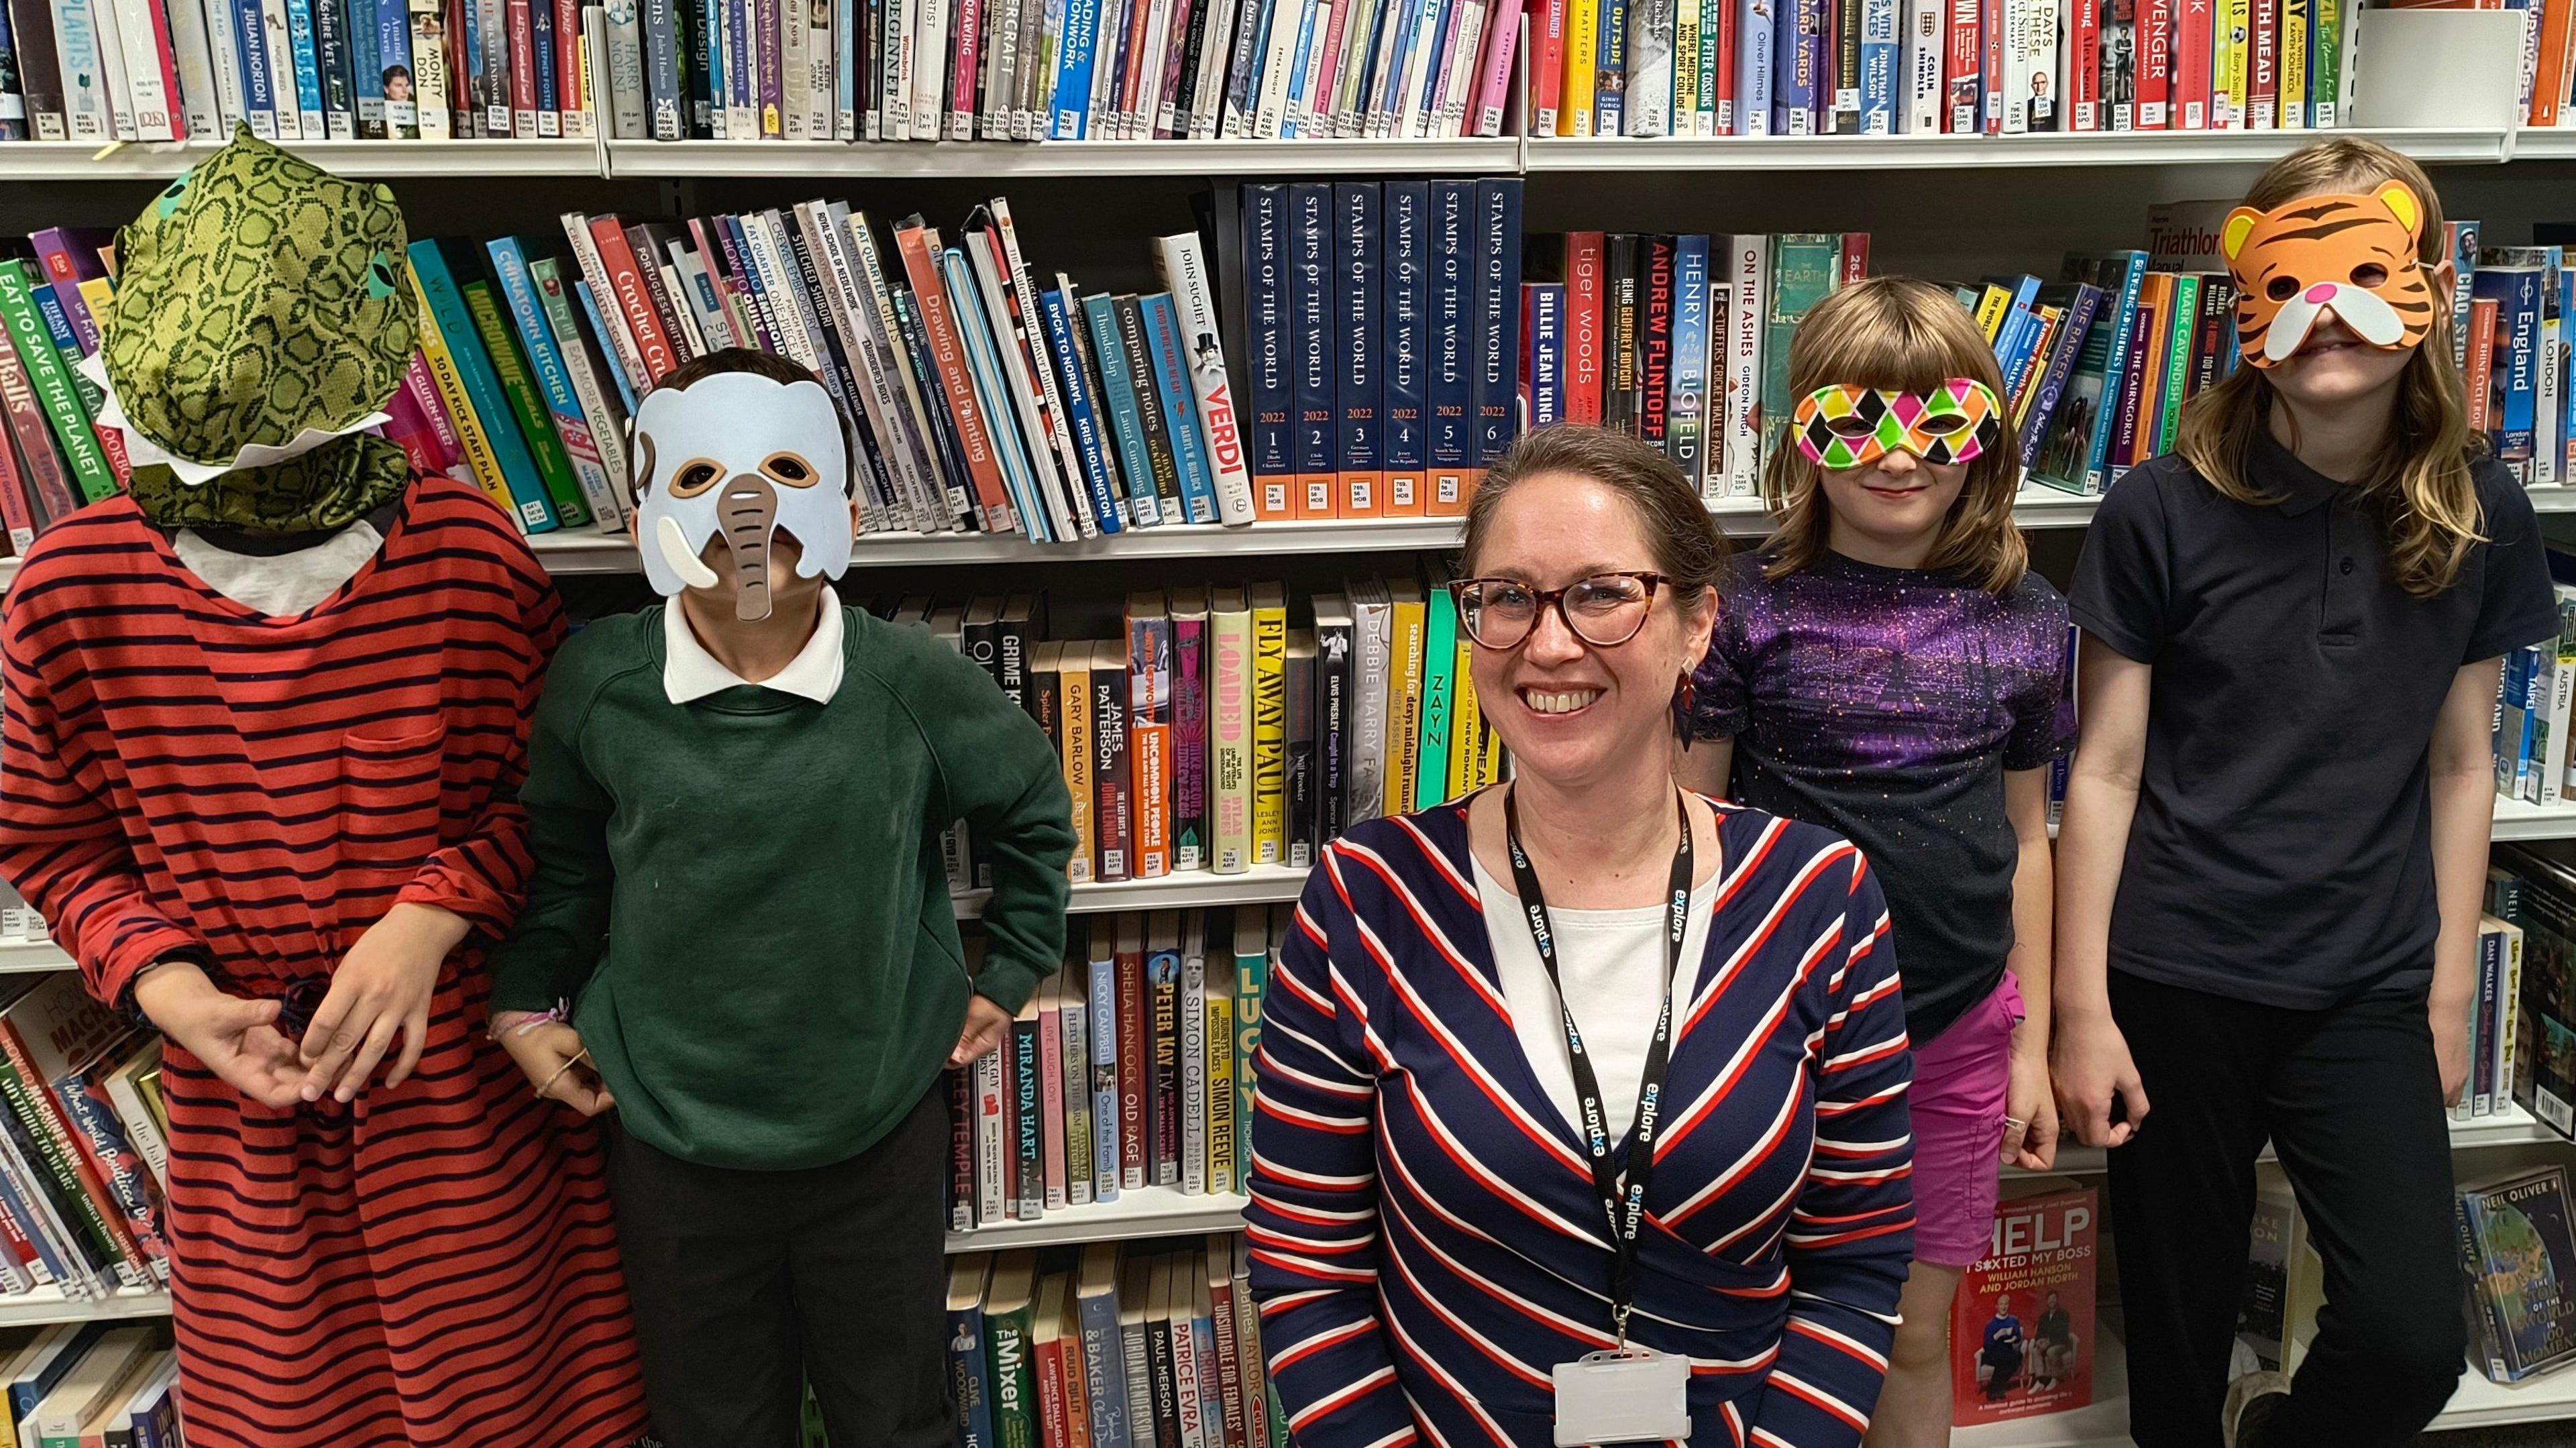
<point>1685,694</point>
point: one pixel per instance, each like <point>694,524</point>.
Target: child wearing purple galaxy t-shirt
<point>1887,667</point>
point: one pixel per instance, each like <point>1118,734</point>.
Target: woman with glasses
<point>1581,1113</point>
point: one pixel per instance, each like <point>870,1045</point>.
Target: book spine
<point>1270,347</point>
<point>1191,759</point>
<point>1101,1061</point>
<point>1494,339</point>
<point>1230,724</point>
<point>1114,812</point>
<point>1357,297</point>
<point>1126,419</point>
<point>1097,469</point>
<point>1269,735</point>
<point>117,1168</point>
<point>1163,980</point>
<point>1135,1145</point>
<point>473,445</point>
<point>992,1147</point>
<point>1152,416</point>
<point>1192,1003</point>
<point>52,383</point>
<point>196,91</point>
<point>1404,430</point>
<point>483,390</point>
<point>1310,329</point>
<point>536,429</point>
<point>1450,386</point>
<point>1686,407</point>
<point>1184,271</point>
<point>1191,463</point>
<point>76,1185</point>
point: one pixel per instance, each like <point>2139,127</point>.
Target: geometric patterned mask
<point>1843,426</point>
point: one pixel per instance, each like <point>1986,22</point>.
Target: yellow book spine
<point>2234,47</point>
<point>1077,773</point>
<point>1230,740</point>
<point>1991,310</point>
<point>1404,710</point>
<point>1582,58</point>
<point>2294,68</point>
<point>98,294</point>
<point>1685,85</point>
<point>1219,1039</point>
<point>1270,735</point>
<point>1466,726</point>
<point>479,456</point>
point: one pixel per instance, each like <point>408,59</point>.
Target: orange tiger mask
<point>2354,256</point>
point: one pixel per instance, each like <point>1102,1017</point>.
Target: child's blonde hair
<point>2421,480</point>
<point>1897,333</point>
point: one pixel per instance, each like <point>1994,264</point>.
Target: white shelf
<point>48,1305</point>
<point>2510,1127</point>
<point>1144,1212</point>
<point>29,959</point>
<point>1062,158</point>
<point>2515,820</point>
<point>83,161</point>
<point>1183,890</point>
<point>1883,153</point>
<point>2553,143</point>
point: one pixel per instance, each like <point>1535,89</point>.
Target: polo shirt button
<point>2347,565</point>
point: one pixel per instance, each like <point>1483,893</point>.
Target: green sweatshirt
<point>780,978</point>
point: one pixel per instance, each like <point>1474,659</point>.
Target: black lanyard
<point>1625,1210</point>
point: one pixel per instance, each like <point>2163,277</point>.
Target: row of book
<point>83,1144</point>
<point>1141,1345</point>
<point>306,70</point>
<point>90,1385</point>
<point>1211,735</point>
<point>2532,888</point>
<point>1680,341</point>
<point>1130,1068</point>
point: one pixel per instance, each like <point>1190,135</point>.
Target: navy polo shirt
<point>2282,848</point>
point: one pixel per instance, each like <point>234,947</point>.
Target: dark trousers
<point>2350,1098</point>
<point>748,1284</point>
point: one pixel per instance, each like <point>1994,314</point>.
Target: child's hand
<point>2091,1069</point>
<point>555,1063</point>
<point>380,990</point>
<point>986,1026</point>
<point>2030,1112</point>
<point>237,1039</point>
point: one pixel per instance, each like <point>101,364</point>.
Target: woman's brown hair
<point>1688,549</point>
<point>1905,335</point>
<point>2421,481</point>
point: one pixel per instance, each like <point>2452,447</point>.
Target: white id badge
<point>1633,1396</point>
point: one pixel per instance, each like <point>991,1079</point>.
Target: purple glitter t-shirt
<point>1885,704</point>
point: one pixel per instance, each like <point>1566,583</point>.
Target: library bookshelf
<point>1572,183</point>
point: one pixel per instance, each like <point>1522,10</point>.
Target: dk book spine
<point>1271,349</point>
<point>1405,427</point>
<point>1357,289</point>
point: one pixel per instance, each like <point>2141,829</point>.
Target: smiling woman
<point>1582,1101</point>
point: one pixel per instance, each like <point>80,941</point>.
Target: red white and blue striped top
<point>1426,1241</point>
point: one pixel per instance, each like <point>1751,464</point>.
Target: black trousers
<point>748,1284</point>
<point>2350,1098</point>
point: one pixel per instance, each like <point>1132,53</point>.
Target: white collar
<point>690,673</point>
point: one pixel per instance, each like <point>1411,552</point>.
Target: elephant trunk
<point>749,511</point>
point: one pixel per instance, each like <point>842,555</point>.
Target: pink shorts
<point>1957,1103</point>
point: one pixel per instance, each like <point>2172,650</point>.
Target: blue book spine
<point>368,71</point>
<point>969,1380</point>
<point>1180,407</point>
<point>711,58</point>
<point>308,60</point>
<point>1356,302</point>
<point>1104,1088</point>
<point>483,388</point>
<point>1297,68</point>
<point>1686,408</point>
<point>1085,427</point>
<point>2080,314</point>
<point>1104,1356</point>
<point>331,52</point>
<point>1389,87</point>
<point>1495,338</point>
<point>845,30</point>
<point>1610,92</point>
<point>393,49</point>
<point>572,425</point>
<point>2515,377</point>
<point>2021,323</point>
<point>58,325</point>
<point>27,1217</point>
<point>1878,56</point>
<point>1801,63</point>
<point>1268,340</point>
<point>1075,62</point>
<point>608,354</point>
<point>986,371</point>
<point>250,38</point>
<point>1756,47</point>
<point>2505,732</point>
<point>1310,329</point>
<point>1453,309</point>
<point>2106,423</point>
<point>741,82</point>
<point>1438,37</point>
<point>541,17</point>
<point>665,95</point>
<point>1118,396</point>
<point>1404,224</point>
<point>1544,308</point>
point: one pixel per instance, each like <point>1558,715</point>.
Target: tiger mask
<point>2354,256</point>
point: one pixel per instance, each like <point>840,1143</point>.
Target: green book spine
<point>2186,321</point>
<point>1011,1338</point>
<point>2325,67</point>
<point>1804,266</point>
<point>554,465</point>
<point>1439,694</point>
<point>1251,984</point>
<point>53,384</point>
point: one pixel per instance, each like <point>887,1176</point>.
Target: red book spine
<point>2173,64</point>
<point>2263,68</point>
<point>1990,22</point>
<point>2481,371</point>
<point>570,93</point>
<point>627,280</point>
<point>1855,256</point>
<point>947,355</point>
<point>1583,327</point>
<point>1229,1379</point>
<point>2084,69</point>
<point>46,481</point>
<point>15,515</point>
<point>1134,1033</point>
<point>1963,74</point>
<point>175,119</point>
<point>523,69</point>
<point>1051,1406</point>
<point>1728,123</point>
<point>1547,65</point>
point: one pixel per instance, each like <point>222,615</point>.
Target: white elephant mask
<point>744,458</point>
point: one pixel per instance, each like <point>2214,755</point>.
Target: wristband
<point>550,1016</point>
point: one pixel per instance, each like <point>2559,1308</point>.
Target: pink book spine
<point>961,77</point>
<point>1442,81</point>
<point>1502,40</point>
<point>424,396</point>
<point>407,429</point>
<point>1051,1098</point>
